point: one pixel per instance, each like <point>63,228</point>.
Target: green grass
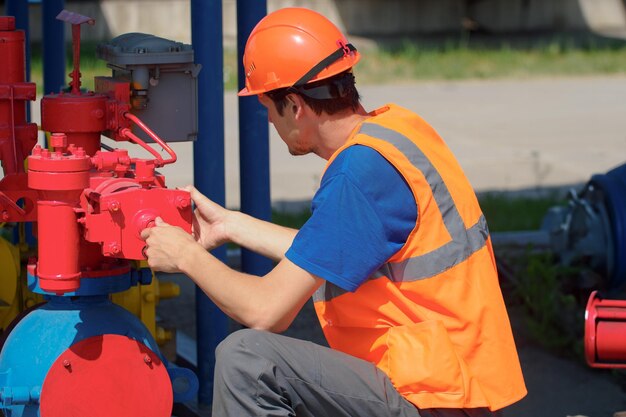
<point>458,60</point>
<point>504,213</point>
<point>90,66</point>
<point>420,60</point>
<point>293,220</point>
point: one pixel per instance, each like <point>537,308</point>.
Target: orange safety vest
<point>432,317</point>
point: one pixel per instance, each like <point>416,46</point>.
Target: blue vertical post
<point>254,165</point>
<point>53,46</point>
<point>209,177</point>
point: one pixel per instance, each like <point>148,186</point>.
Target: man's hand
<point>270,302</point>
<point>209,220</point>
<point>166,246</point>
<point>214,225</point>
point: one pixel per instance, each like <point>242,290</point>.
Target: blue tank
<point>45,333</point>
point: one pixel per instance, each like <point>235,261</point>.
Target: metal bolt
<point>182,202</point>
<point>66,363</point>
<point>58,140</point>
<point>114,205</point>
<point>114,248</point>
<point>149,297</point>
<point>147,359</point>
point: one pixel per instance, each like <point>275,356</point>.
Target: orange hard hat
<point>291,47</point>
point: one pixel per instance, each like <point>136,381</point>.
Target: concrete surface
<point>507,135</point>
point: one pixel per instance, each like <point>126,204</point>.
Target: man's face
<point>288,126</point>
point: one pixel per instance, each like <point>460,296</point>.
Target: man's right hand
<point>209,220</point>
<point>214,225</point>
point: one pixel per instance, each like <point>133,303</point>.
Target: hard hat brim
<point>244,92</point>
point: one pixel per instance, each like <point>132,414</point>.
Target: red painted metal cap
<point>605,332</point>
<point>108,375</point>
<point>7,23</point>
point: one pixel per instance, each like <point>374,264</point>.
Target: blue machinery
<point>590,231</point>
<point>212,324</point>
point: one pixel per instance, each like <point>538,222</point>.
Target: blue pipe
<point>254,162</point>
<point>613,186</point>
<point>53,46</point>
<point>209,177</point>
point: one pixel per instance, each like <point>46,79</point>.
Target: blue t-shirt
<point>362,214</point>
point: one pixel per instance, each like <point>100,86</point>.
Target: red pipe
<point>159,160</point>
<point>16,136</point>
<point>60,180</point>
<point>58,267</point>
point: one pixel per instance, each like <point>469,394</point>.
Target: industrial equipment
<point>591,231</point>
<point>79,353</point>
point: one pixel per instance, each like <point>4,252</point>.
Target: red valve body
<point>90,206</point>
<point>60,180</point>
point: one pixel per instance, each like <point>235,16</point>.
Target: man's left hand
<point>166,246</point>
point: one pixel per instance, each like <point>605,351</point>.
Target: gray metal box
<point>163,83</point>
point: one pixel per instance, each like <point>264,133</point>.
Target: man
<point>396,255</point>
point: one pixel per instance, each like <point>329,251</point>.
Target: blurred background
<point>529,94</point>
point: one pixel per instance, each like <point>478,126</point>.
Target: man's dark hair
<point>331,95</point>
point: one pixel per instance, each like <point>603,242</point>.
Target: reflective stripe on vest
<point>464,242</point>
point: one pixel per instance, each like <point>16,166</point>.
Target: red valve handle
<point>159,161</point>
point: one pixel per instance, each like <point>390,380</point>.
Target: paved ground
<point>507,135</point>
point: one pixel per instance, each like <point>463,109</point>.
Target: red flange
<point>56,171</point>
<point>104,376</point>
<point>81,117</point>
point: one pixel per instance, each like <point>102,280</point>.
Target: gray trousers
<point>264,374</point>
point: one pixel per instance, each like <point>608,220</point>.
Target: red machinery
<point>17,137</point>
<point>605,332</point>
<point>90,205</point>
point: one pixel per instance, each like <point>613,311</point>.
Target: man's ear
<point>295,105</point>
